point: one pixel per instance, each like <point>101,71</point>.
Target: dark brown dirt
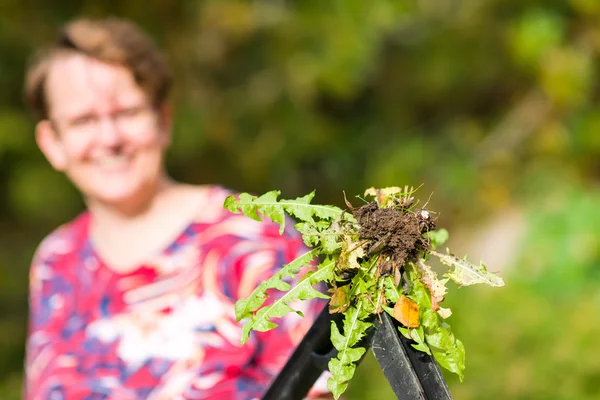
<point>393,232</point>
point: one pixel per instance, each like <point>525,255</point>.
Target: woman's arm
<point>49,297</point>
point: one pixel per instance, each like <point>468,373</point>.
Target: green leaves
<point>320,224</point>
<point>433,333</point>
<point>437,238</point>
<point>465,273</point>
<point>453,359</point>
<point>268,205</point>
<point>343,366</point>
<point>363,283</point>
<point>261,321</point>
<point>437,287</point>
<point>319,234</point>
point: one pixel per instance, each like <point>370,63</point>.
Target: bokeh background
<point>492,105</point>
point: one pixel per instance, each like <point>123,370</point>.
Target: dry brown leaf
<point>406,312</point>
<point>339,301</point>
<point>444,312</point>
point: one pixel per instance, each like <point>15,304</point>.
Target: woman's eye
<point>83,120</point>
<point>128,112</point>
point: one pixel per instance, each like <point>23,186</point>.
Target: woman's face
<point>102,131</point>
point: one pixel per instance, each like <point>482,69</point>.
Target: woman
<point>133,299</point>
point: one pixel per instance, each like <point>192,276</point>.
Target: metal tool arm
<point>412,374</point>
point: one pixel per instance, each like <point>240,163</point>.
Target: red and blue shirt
<point>167,330</point>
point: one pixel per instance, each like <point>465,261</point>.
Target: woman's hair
<point>111,40</point>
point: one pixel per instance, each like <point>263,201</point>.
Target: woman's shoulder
<point>210,200</point>
<point>209,203</point>
<point>215,221</point>
<point>63,240</point>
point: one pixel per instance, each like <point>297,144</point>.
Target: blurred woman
<point>134,298</point>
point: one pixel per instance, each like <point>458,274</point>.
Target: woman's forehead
<point>77,82</point>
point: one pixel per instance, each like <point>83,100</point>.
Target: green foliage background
<point>492,104</point>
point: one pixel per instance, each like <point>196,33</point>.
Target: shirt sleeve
<point>275,346</point>
<point>47,302</point>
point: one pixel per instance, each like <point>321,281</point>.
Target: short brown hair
<point>110,40</point>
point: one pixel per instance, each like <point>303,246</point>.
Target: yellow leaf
<point>406,312</point>
<point>382,195</point>
<point>339,301</point>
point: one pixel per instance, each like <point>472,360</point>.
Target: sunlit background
<point>492,105</point>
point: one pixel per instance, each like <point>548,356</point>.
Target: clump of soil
<point>396,233</point>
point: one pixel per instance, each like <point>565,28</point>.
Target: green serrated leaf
<point>429,318</point>
<point>437,238</point>
<point>335,233</point>
<point>303,210</point>
<point>311,236</point>
<point>441,339</point>
<point>361,286</point>
<point>330,240</point>
<point>404,332</point>
<point>465,273</point>
<point>244,308</point>
<point>261,321</point>
<point>250,206</point>
<point>422,347</point>
<point>419,293</point>
<point>446,349</point>
<point>354,330</point>
<point>268,205</point>
<point>304,290</point>
<point>453,360</point>
<point>343,366</point>
<point>391,291</point>
<point>298,209</point>
<point>336,388</point>
<point>389,310</point>
<point>340,369</point>
<point>418,334</point>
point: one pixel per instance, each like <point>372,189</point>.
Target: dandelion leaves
<point>268,205</point>
<point>304,290</point>
<point>343,366</point>
<point>245,308</point>
<point>437,238</point>
<point>466,273</point>
<point>435,334</point>
<point>375,259</point>
<point>319,224</point>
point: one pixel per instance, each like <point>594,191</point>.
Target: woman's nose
<point>108,132</point>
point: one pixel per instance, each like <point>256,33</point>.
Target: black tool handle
<point>412,374</point>
<point>308,361</point>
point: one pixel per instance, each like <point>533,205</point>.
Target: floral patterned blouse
<point>166,330</point>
